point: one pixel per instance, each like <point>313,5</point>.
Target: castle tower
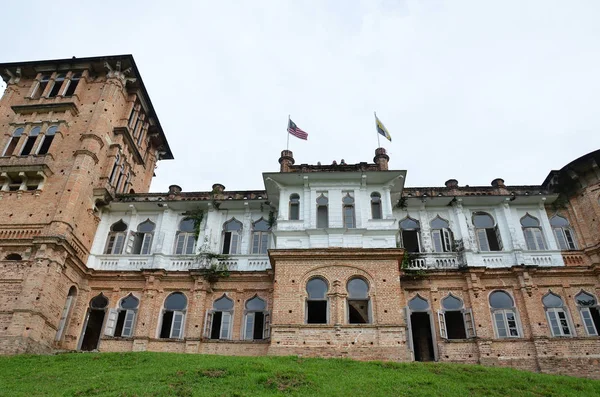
<point>74,133</point>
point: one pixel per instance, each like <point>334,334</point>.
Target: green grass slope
<point>166,374</point>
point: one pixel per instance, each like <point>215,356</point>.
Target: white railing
<point>435,261</point>
<point>175,262</point>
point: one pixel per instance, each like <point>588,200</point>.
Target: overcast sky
<point>471,90</point>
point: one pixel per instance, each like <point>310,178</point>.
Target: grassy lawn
<point>166,374</point>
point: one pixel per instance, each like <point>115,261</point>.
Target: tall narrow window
<point>376,205</point>
<point>219,319</point>
<point>410,235</point>
<point>73,83</point>
<point>533,233</point>
<point>142,134</point>
<point>185,243</point>
<point>93,323</point>
<point>322,212</point>
<point>115,167</point>
<point>260,236</point>
<point>14,141</point>
<point>441,235</point>
<point>47,139</point>
<point>565,238</point>
<point>120,177</point>
<point>455,321</point>
<point>30,142</point>
<point>58,82</point>
<point>317,310</point>
<point>121,321</point>
<point>557,315</point>
<point>132,115</point>
<point>294,207</point>
<point>41,87</point>
<point>173,316</point>
<point>504,315</point>
<point>486,230</point>
<point>116,238</point>
<point>126,183</point>
<point>232,236</point>
<point>589,311</point>
<point>359,311</point>
<point>256,319</point>
<point>142,241</point>
<point>65,313</point>
<point>348,211</point>
<point>420,329</point>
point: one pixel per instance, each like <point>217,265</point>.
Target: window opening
<point>58,82</point>
<point>121,321</point>
<point>488,235</point>
<point>441,235</point>
<point>533,233</point>
<point>13,257</point>
<point>556,315</point>
<point>317,302</point>
<point>260,236</point>
<point>116,238</point>
<point>173,318</point>
<point>14,141</point>
<point>30,142</point>
<point>589,311</point>
<point>47,139</point>
<point>294,207</point>
<point>348,211</point>
<point>232,233</point>
<point>455,321</point>
<point>142,241</point>
<point>185,242</point>
<point>358,302</point>
<point>410,238</point>
<point>114,168</point>
<point>65,313</point>
<point>73,83</point>
<point>504,315</point>
<point>322,212</point>
<point>93,323</point>
<point>376,205</point>
<point>565,238</point>
<point>219,320</point>
<point>41,87</point>
<point>420,331</point>
<point>256,319</point>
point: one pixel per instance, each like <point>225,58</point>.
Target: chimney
<point>451,183</point>
<point>498,182</point>
<point>286,160</point>
<point>381,159</point>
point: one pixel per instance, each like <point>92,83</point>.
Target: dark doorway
<point>93,330</point>
<point>421,334</point>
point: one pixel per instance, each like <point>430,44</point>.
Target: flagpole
<point>376,131</point>
<point>288,134</point>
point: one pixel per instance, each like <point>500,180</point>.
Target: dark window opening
<point>215,331</point>
<point>29,143</point>
<point>595,317</point>
<point>227,242</point>
<point>492,239</point>
<point>421,335</point>
<point>41,87</point>
<point>58,82</point>
<point>13,257</point>
<point>358,311</point>
<point>322,217</point>
<point>376,206</point>
<point>410,240</point>
<point>45,146</point>
<point>317,312</point>
<point>73,84</point>
<point>294,211</point>
<point>12,145</point>
<point>93,330</point>
<point>120,322</point>
<point>259,320</point>
<point>455,325</point>
<point>165,330</point>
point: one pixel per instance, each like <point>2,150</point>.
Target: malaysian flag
<point>295,131</point>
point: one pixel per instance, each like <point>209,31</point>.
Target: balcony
<point>246,263</point>
<point>435,261</point>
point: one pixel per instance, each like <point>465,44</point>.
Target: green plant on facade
<point>211,263</point>
<point>272,219</point>
<point>405,265</point>
<point>401,204</point>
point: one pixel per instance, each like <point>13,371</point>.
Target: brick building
<point>335,260</point>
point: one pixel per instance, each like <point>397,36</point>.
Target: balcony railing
<point>435,261</point>
<point>175,262</point>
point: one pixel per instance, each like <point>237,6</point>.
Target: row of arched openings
<point>348,212</point>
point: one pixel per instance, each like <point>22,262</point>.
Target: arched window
<point>73,82</point>
<point>142,241</point>
<point>419,333</point>
<point>114,168</point>
<point>533,233</point>
<point>256,319</point>
<point>13,257</point>
<point>30,142</point>
<point>322,212</point>
<point>348,211</point>
<point>294,207</point>
<point>47,140</point>
<point>376,205</point>
<point>116,238</point>
<point>121,321</point>
<point>418,304</point>
<point>455,321</point>
<point>120,177</point>
<point>14,141</point>
<point>93,323</point>
<point>185,243</point>
<point>565,238</point>
<point>219,319</point>
<point>173,316</point>
<point>58,82</point>
<point>441,235</point>
<point>504,315</point>
<point>317,308</point>
<point>486,230</point>
<point>232,236</point>
<point>359,311</point>
<point>589,311</point>
<point>133,114</point>
<point>410,235</point>
<point>41,87</point>
<point>65,313</point>
<point>260,236</point>
<point>556,315</point>
<point>126,183</point>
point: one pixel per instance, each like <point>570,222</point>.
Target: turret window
<point>47,140</point>
<point>565,238</point>
<point>533,233</point>
<point>376,205</point>
<point>14,141</point>
<point>30,142</point>
<point>40,87</point>
<point>115,167</point>
<point>73,83</point>
<point>58,82</point>
<point>486,230</point>
<point>294,207</point>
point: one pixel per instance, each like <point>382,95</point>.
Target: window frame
<point>589,321</point>
<point>348,212</point>
<point>443,235</point>
<point>566,232</point>
<point>248,313</point>
<point>258,236</point>
<point>486,231</point>
<point>417,230</point>
<point>13,138</point>
<point>177,313</point>
<point>185,236</point>
<point>324,299</point>
<point>467,316</point>
<point>110,247</point>
<point>367,300</point>
<point>232,249</point>
<point>536,240</point>
<point>322,212</point>
<point>209,320</point>
<point>504,312</point>
<point>377,201</point>
<point>294,203</point>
